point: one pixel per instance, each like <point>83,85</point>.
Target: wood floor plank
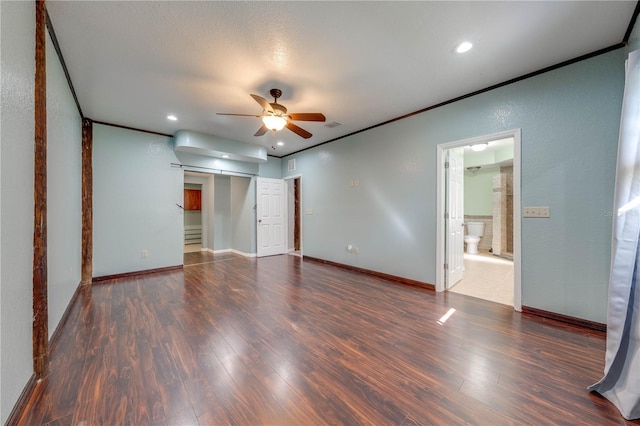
<point>277,340</point>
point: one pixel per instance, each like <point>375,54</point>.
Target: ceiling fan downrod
<point>276,93</point>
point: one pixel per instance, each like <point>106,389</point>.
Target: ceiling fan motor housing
<point>278,109</point>
<point>274,116</point>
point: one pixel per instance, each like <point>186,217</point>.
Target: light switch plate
<point>543,212</point>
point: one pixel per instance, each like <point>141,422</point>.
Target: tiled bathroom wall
<point>503,212</point>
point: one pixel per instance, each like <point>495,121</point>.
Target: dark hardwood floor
<point>278,340</point>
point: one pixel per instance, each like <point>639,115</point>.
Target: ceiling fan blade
<point>239,115</point>
<point>263,103</point>
<point>261,131</point>
<point>307,116</point>
<point>298,130</point>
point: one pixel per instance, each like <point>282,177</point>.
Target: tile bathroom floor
<point>487,277</point>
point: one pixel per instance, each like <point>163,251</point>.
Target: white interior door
<point>455,216</point>
<point>270,213</point>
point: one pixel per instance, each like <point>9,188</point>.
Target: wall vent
<point>291,165</point>
<point>333,124</point>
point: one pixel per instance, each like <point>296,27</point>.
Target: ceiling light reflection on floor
<point>446,316</point>
<point>488,259</point>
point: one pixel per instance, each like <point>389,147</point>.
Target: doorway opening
<point>225,219</point>
<point>294,216</point>
<point>193,218</point>
<point>478,222</point>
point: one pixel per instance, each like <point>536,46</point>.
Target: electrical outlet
<point>308,211</point>
<point>356,250</point>
<point>536,212</point>
<point>144,253</point>
<point>356,182</point>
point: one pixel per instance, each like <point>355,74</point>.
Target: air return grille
<point>333,124</point>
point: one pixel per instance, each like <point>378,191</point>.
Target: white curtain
<point>621,381</point>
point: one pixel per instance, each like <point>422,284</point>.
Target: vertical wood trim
<point>87,201</point>
<point>40,303</point>
<point>296,214</point>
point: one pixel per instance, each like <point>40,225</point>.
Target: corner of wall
<point>271,169</point>
<point>634,38</point>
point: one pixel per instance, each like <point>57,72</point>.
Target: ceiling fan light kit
<point>274,122</point>
<point>275,117</point>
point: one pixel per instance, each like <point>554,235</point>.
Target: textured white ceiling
<point>359,63</point>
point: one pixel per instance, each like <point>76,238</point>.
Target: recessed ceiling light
<point>465,46</point>
<point>280,143</point>
<point>172,118</point>
<point>225,156</point>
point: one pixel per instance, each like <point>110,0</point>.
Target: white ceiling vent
<point>291,165</point>
<point>333,124</point>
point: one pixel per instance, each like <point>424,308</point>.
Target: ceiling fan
<point>275,117</point>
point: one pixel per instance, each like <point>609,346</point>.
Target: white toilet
<point>475,230</point>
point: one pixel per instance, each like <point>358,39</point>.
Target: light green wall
<point>634,39</point>
<point>504,154</point>
<point>271,169</point>
<point>64,190</point>
<point>569,120</point>
<point>222,213</point>
<point>478,191</point>
<point>17,23</point>
<point>243,215</point>
<point>135,192</point>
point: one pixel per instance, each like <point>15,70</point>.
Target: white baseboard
<point>219,251</point>
<point>241,253</point>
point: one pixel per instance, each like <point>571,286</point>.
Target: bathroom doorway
<point>491,205</point>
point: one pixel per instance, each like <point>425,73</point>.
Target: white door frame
<point>440,209</point>
<point>301,214</point>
